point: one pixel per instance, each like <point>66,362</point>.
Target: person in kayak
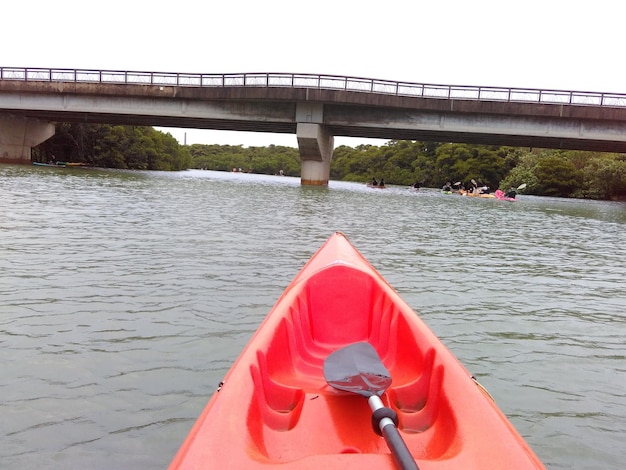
<point>511,193</point>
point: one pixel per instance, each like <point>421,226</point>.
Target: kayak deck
<point>275,406</point>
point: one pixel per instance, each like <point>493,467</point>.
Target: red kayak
<point>343,374</point>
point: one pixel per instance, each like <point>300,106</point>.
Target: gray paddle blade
<point>357,368</point>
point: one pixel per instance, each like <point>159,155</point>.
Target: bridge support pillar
<point>315,143</point>
<point>18,135</point>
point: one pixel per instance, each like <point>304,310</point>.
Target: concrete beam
<point>18,135</point>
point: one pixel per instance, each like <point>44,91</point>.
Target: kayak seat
<point>333,303</point>
<point>323,317</point>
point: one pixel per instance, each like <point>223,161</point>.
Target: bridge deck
<point>352,106</point>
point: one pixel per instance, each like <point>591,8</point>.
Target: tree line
<point>563,173</point>
<point>106,146</point>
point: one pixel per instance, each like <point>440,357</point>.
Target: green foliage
<point>356,164</point>
<point>557,176</point>
<point>464,162</point>
<point>133,147</point>
<point>604,178</point>
<point>218,157</point>
<point>266,160</point>
<point>523,173</point>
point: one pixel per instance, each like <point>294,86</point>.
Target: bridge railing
<point>333,82</point>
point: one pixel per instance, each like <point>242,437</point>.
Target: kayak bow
<point>275,408</point>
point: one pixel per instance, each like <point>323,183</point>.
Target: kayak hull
<point>478,195</point>
<point>275,409</point>
<point>54,165</point>
<point>60,164</point>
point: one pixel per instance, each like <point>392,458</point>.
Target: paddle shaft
<point>396,444</point>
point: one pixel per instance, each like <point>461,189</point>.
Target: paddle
<point>357,368</point>
<point>521,186</point>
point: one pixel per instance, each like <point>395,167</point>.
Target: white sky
<point>549,44</point>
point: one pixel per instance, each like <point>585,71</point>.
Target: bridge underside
<point>510,140</point>
<point>369,122</point>
<point>361,128</point>
<point>494,129</point>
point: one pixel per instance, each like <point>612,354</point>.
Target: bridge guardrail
<point>333,82</point>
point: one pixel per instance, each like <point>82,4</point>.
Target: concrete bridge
<point>314,107</point>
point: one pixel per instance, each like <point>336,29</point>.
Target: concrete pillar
<point>315,144</point>
<point>18,135</point>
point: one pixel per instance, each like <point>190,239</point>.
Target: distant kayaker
<point>374,182</point>
<point>511,193</point>
<point>382,182</point>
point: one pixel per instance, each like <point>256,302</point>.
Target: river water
<point>125,297</point>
